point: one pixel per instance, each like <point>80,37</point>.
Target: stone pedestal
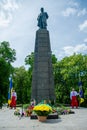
<point>42,78</point>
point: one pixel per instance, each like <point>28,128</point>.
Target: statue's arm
<point>38,17</point>
<point>46,15</point>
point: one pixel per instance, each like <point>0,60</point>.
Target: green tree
<point>7,55</point>
<point>68,72</point>
<point>22,85</point>
<point>29,60</point>
<point>6,52</point>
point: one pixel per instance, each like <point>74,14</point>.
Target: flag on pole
<point>81,93</point>
<point>8,95</point>
<point>10,90</point>
<point>11,84</point>
<point>9,98</point>
<point>79,83</point>
<point>81,100</point>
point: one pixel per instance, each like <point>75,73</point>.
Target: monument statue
<point>42,19</point>
<point>42,75</point>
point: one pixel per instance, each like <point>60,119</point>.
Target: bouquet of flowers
<point>28,111</point>
<point>17,112</point>
<point>42,109</point>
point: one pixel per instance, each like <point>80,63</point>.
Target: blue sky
<point>67,25</point>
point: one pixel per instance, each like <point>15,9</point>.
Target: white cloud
<point>69,50</point>
<point>7,7</point>
<point>69,11</point>
<point>10,5</point>
<point>73,3</point>
<point>85,40</point>
<point>5,20</point>
<point>80,48</point>
<point>83,26</point>
<point>82,12</point>
<point>74,9</point>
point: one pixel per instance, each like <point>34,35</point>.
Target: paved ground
<point>77,121</point>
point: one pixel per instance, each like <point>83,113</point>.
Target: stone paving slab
<point>77,121</point>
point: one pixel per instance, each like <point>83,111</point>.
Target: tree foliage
<point>22,84</point>
<point>68,72</point>
<point>7,55</point>
<point>6,52</point>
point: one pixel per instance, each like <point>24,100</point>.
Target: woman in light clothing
<point>13,99</point>
<point>73,97</point>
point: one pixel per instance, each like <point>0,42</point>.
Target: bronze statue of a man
<point>42,19</point>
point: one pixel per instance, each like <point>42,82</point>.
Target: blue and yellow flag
<point>9,98</point>
<point>11,84</point>
<point>81,94</point>
<point>10,90</point>
<point>81,100</point>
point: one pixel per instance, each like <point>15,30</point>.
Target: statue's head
<point>42,9</point>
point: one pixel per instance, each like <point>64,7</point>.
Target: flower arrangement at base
<point>28,111</point>
<point>42,109</point>
<point>17,112</point>
<point>64,110</point>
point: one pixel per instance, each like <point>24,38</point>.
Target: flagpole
<point>10,89</point>
<point>80,91</point>
<point>79,84</point>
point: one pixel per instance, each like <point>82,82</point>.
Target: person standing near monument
<point>42,19</point>
<point>13,99</point>
<point>73,97</point>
